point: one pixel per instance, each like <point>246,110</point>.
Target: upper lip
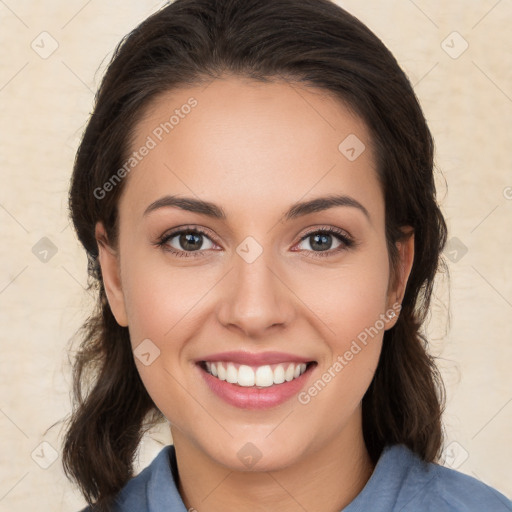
<point>254,359</point>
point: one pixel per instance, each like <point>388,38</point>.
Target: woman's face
<point>264,275</point>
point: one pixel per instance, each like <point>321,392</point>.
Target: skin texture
<point>255,149</point>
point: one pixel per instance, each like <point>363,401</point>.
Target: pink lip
<point>251,359</point>
<point>254,397</point>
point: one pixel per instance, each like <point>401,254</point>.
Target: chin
<point>254,454</point>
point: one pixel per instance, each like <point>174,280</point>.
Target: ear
<point>110,271</point>
<point>400,275</point>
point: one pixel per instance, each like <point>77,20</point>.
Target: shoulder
<point>152,489</point>
<point>431,487</point>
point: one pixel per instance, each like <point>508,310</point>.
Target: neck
<point>318,481</point>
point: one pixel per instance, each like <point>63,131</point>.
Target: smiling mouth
<point>256,376</point>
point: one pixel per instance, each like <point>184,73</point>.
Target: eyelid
<point>346,240</point>
<point>187,228</point>
<point>328,229</point>
<point>171,233</point>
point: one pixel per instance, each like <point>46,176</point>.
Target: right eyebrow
<point>189,204</point>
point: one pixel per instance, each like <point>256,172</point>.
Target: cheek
<point>163,304</point>
<point>354,315</point>
<point>351,306</point>
<point>160,298</point>
<point>349,299</point>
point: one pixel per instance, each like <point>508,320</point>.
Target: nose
<point>255,298</point>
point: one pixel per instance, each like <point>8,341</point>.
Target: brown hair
<point>312,42</point>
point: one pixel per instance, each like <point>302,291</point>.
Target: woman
<point>255,193</point>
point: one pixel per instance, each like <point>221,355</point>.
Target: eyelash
<point>347,242</point>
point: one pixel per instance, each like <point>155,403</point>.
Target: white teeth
<point>290,371</point>
<point>261,376</point>
<point>245,376</point>
<point>279,375</point>
<point>221,371</point>
<point>231,374</point>
<point>264,376</point>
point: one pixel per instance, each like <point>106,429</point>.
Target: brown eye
<point>185,242</point>
<point>326,242</point>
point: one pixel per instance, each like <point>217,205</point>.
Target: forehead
<point>253,144</point>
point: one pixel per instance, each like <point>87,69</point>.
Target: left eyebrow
<point>296,210</point>
<point>324,203</point>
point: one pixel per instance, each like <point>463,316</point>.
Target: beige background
<point>44,105</point>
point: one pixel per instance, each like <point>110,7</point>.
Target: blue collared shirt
<point>401,482</point>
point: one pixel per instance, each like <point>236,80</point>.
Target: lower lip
<point>252,397</point>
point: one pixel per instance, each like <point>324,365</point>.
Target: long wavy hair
<point>311,42</point>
